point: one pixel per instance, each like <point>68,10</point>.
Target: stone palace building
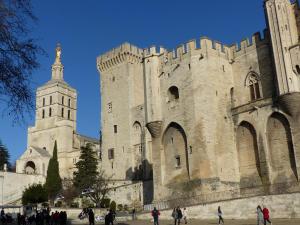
<point>206,122</point>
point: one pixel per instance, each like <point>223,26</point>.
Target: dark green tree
<point>4,156</point>
<point>53,183</point>
<point>84,176</point>
<point>34,194</point>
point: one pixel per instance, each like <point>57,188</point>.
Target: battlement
<point>132,54</point>
<point>124,53</point>
<point>208,46</point>
<point>249,44</point>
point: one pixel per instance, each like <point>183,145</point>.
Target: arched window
<point>50,100</point>
<point>62,100</point>
<point>62,112</point>
<point>50,112</point>
<point>253,83</point>
<point>43,101</point>
<point>43,113</point>
<point>69,114</point>
<point>173,93</point>
<point>69,103</point>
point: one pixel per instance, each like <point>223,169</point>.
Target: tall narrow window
<point>50,112</point>
<point>62,100</point>
<point>69,114</point>
<point>69,103</point>
<point>62,112</point>
<point>43,101</point>
<point>253,83</point>
<point>111,153</point>
<point>50,100</point>
<point>115,129</point>
<point>178,163</point>
<point>43,113</point>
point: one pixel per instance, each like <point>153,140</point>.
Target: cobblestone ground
<point>211,222</point>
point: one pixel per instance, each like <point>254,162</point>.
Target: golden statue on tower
<point>58,54</point>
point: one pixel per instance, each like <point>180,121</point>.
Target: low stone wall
<point>126,192</point>
<point>12,185</point>
<point>280,206</point>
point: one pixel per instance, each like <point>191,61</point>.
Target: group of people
<point>179,214</point>
<point>43,217</point>
<point>39,217</point>
<point>263,215</point>
<point>5,217</point>
<point>109,217</point>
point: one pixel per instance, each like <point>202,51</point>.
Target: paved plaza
<point>211,222</point>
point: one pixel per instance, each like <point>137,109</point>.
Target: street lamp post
<point>2,176</point>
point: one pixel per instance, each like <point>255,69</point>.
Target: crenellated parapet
<point>206,46</point>
<point>124,53</point>
<point>250,44</point>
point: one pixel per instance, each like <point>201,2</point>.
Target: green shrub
<point>120,207</point>
<point>34,194</point>
<point>58,204</point>
<point>105,203</point>
<point>126,208</point>
<point>74,205</point>
<point>113,206</point>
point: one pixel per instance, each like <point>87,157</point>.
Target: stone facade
<point>56,107</point>
<point>206,117</point>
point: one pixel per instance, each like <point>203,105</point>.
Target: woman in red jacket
<point>266,216</point>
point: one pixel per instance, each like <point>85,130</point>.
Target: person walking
<point>179,215</point>
<point>133,214</point>
<point>260,215</point>
<point>266,215</point>
<point>220,214</point>
<point>175,215</point>
<point>91,217</point>
<point>155,214</point>
<point>185,215</point>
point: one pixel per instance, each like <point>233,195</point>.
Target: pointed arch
<point>249,163</point>
<point>176,163</point>
<point>281,147</point>
<point>138,150</point>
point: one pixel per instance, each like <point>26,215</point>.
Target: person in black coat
<point>91,217</point>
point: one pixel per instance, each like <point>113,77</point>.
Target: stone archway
<point>176,164</point>
<point>249,163</point>
<point>281,148</point>
<point>30,167</point>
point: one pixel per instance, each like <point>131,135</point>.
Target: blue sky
<point>88,28</point>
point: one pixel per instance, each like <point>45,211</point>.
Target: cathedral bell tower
<point>56,101</point>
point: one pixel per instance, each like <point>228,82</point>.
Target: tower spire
<point>57,67</point>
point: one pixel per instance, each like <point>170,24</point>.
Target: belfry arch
<point>281,148</point>
<point>249,163</point>
<point>175,164</point>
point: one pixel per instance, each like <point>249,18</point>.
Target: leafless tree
<point>99,188</point>
<point>18,58</point>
